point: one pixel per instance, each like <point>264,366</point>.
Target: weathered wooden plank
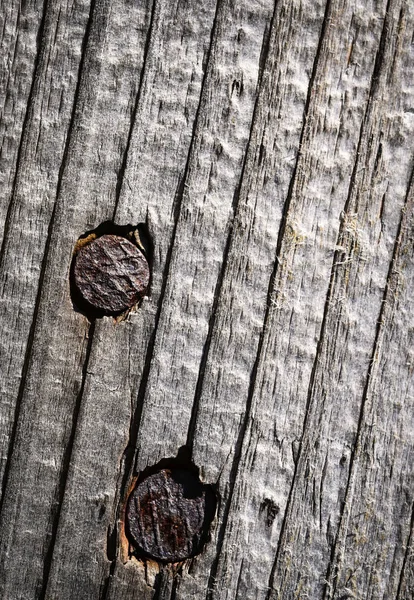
<point>252,527</point>
<point>33,194</point>
<point>341,368</point>
<point>372,540</point>
<point>49,402</point>
<point>162,132</point>
<point>303,246</point>
<point>271,168</point>
<point>375,526</point>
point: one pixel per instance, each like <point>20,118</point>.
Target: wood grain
<point>264,149</point>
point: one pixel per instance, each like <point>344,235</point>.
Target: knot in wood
<point>168,515</point>
<point>111,274</point>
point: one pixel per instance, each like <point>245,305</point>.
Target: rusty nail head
<point>111,274</point>
<point>169,514</point>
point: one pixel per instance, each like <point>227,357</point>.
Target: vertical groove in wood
<point>47,244</point>
<point>178,200</point>
<point>406,580</point>
<point>25,368</point>
<point>65,468</point>
<point>26,131</point>
<point>120,182</point>
<point>322,334</point>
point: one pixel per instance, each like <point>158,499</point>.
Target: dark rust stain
<point>111,274</point>
<point>168,515</point>
<point>272,510</point>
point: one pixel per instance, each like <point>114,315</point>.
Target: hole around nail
<point>169,512</point>
<point>110,270</point>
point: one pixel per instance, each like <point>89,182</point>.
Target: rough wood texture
<point>268,149</point>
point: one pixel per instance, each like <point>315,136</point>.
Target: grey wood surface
<point>268,148</point>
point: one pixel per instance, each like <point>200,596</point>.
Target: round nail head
<point>111,274</point>
<point>168,515</point>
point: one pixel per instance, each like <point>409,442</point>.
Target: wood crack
<point>26,363</point>
<point>153,26</point>
<point>26,126</point>
<point>60,494</point>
